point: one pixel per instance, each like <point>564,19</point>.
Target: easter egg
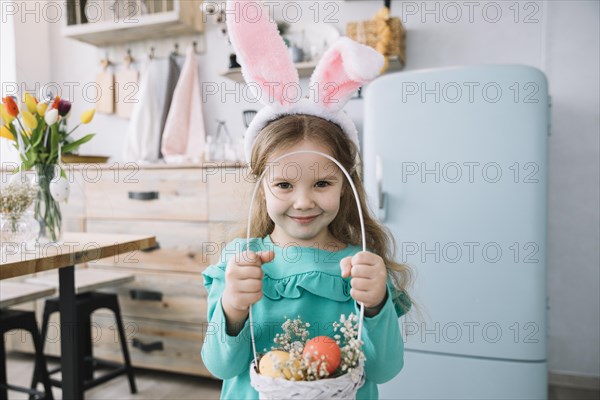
<point>272,364</point>
<point>59,189</point>
<point>326,349</point>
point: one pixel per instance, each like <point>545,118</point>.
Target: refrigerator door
<point>430,376</point>
<point>455,162</point>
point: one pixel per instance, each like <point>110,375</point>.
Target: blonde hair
<point>289,130</point>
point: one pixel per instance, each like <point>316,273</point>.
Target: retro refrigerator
<point>455,165</point>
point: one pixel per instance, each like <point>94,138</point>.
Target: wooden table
<point>74,248</point>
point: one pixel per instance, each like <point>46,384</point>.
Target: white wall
<point>573,263</point>
<point>563,43</point>
<point>8,74</point>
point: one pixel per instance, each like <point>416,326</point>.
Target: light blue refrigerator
<point>455,164</point>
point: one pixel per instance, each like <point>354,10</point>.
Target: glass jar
<point>18,230</point>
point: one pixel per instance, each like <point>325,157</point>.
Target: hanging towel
<point>172,79</point>
<point>143,133</point>
<point>184,135</point>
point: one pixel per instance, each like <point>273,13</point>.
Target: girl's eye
<point>322,184</point>
<point>283,185</point>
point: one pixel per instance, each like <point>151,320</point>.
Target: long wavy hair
<point>286,132</point>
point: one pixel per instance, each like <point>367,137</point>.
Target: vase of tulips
<point>38,130</point>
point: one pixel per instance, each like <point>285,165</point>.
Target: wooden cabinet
<point>191,210</point>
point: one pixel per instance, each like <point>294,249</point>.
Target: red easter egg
<point>326,347</point>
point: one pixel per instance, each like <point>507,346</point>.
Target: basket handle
<point>362,231</point>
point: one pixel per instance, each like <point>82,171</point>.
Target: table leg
<point>72,384</point>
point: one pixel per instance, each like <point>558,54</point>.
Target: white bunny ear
<point>345,66</point>
<point>262,53</point>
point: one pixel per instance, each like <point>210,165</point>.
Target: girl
<point>304,257</point>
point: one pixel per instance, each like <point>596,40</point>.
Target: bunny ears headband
<point>269,70</point>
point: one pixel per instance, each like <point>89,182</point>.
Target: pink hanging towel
<point>184,135</point>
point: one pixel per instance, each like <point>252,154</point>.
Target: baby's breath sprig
<point>293,340</point>
<point>350,345</point>
<point>15,198</point>
<point>295,333</point>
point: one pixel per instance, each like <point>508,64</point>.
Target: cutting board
<point>126,82</point>
<point>105,103</point>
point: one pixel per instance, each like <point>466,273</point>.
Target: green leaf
<point>36,137</point>
<point>74,145</point>
<point>54,138</point>
<point>26,141</point>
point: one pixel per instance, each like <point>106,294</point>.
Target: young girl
<point>304,257</point>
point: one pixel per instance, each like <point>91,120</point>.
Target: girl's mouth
<point>304,220</point>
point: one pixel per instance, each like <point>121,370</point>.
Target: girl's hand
<point>243,284</point>
<point>369,277</point>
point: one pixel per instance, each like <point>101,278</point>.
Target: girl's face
<point>303,196</point>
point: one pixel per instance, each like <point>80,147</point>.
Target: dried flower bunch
<point>296,358</point>
<point>16,197</point>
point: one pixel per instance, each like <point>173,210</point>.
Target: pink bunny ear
<point>345,66</point>
<point>261,52</point>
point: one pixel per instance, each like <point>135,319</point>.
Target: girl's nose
<point>303,200</point>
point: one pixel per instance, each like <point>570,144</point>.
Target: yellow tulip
<point>87,116</point>
<point>41,108</point>
<point>5,133</point>
<point>29,119</point>
<point>31,103</point>
<point>6,117</point>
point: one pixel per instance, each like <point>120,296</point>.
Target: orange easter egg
<point>324,347</point>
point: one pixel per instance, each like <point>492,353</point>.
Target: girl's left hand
<point>369,277</point>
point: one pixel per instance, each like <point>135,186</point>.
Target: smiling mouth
<point>304,220</point>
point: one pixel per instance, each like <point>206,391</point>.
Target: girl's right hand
<point>243,283</point>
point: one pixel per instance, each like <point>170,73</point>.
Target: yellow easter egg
<point>269,363</point>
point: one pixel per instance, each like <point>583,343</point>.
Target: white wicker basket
<point>341,387</point>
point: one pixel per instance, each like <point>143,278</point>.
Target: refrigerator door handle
<point>382,214</point>
<point>381,196</point>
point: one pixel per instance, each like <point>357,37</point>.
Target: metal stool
<point>12,293</point>
<point>88,301</point>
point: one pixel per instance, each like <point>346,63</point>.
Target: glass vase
<point>18,230</point>
<point>46,209</point>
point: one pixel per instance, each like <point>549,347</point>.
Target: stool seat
<point>13,293</point>
<point>86,279</point>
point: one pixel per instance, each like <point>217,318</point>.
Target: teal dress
<point>305,282</point>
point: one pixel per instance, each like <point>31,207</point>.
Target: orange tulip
<point>11,106</point>
<point>56,101</point>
